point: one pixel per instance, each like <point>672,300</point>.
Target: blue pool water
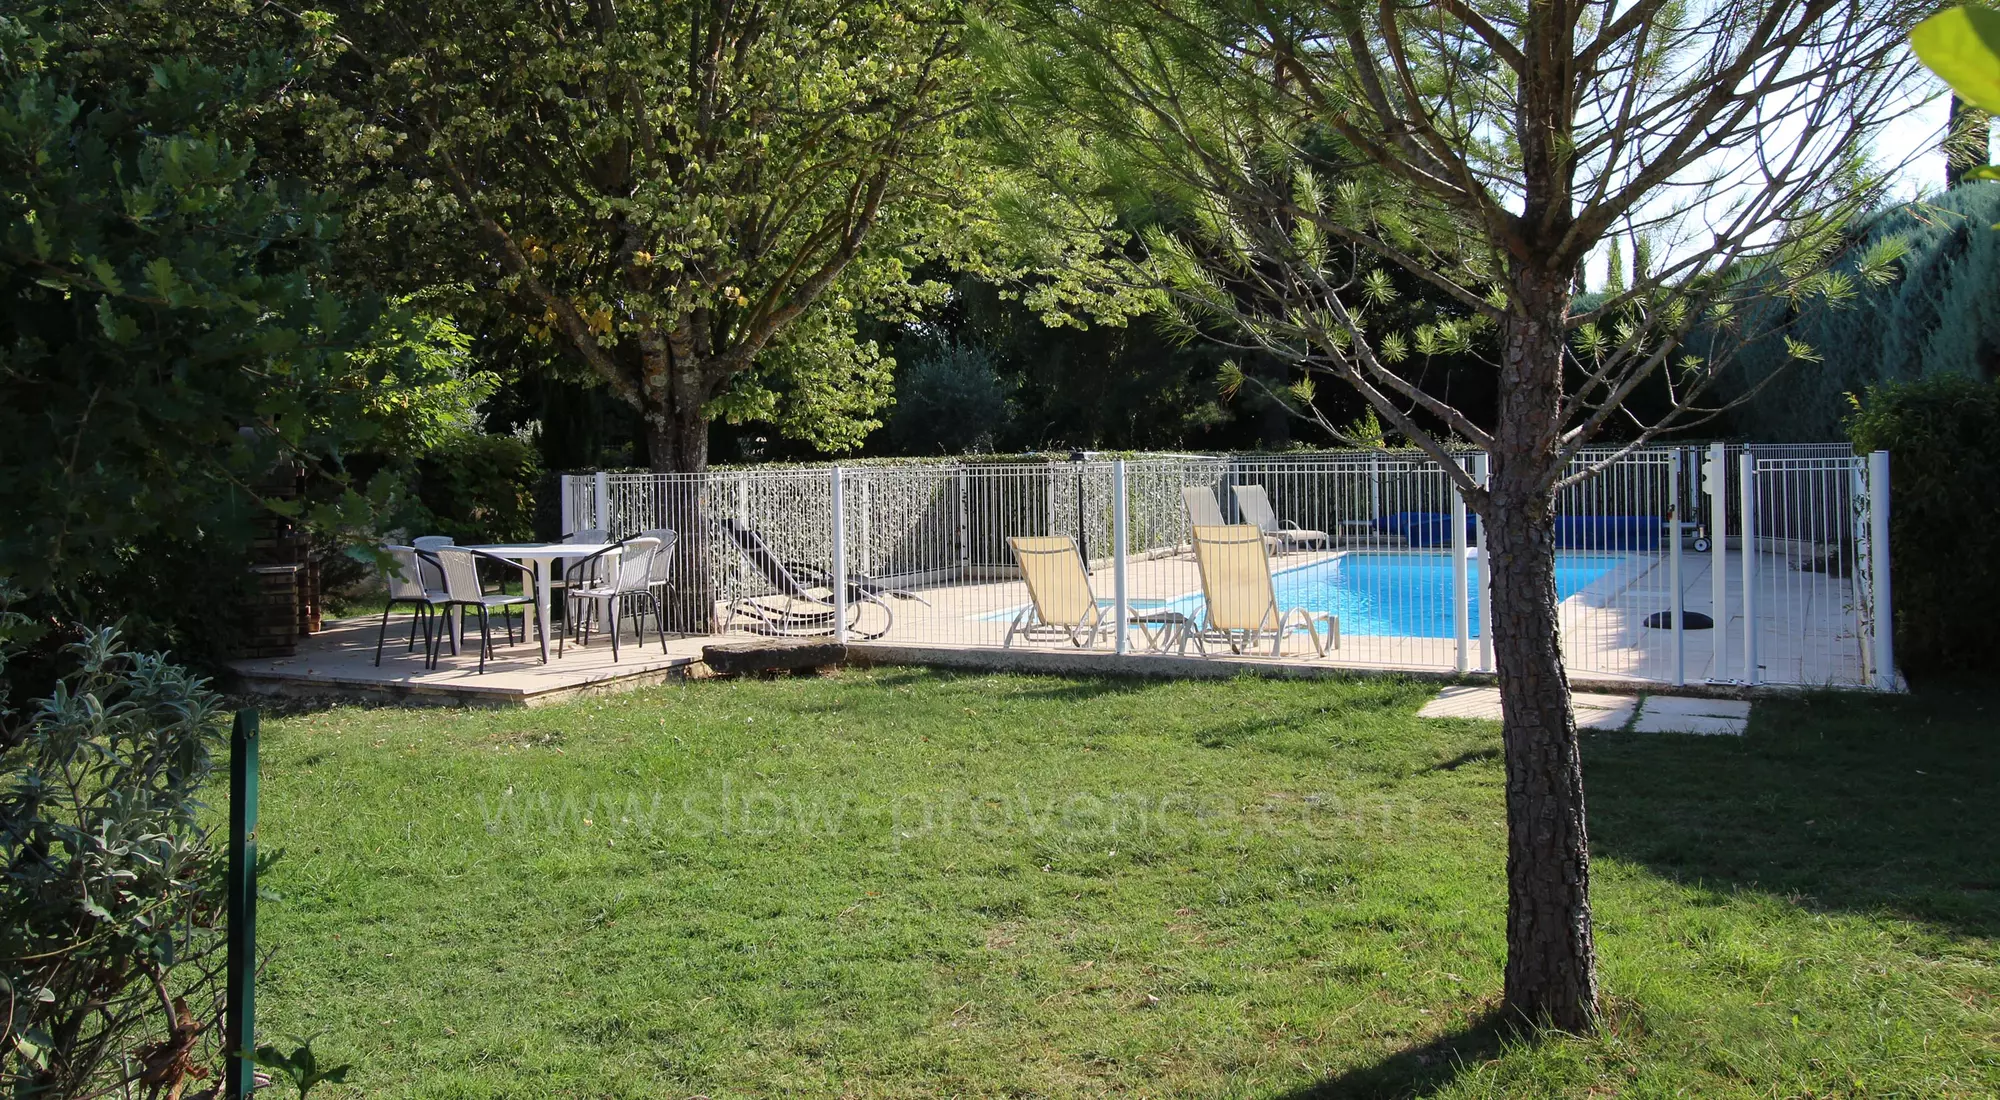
<point>1402,594</point>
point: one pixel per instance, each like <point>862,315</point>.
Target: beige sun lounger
<point>1255,504</point>
<point>1239,602</point>
<point>1062,605</point>
<point>1203,511</point>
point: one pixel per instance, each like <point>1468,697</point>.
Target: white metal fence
<point>1728,564</point>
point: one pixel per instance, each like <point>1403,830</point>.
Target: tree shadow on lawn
<point>1834,801</point>
<point>1420,1070</point>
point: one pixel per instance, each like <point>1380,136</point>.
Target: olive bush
<point>111,899</point>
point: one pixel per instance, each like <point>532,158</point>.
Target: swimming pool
<point>1402,595</point>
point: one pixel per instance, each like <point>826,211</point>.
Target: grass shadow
<point>1419,1071</point>
<point>299,706</point>
<point>1836,801</point>
<point>1470,756</point>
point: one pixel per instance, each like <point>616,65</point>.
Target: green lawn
<point>906,883</point>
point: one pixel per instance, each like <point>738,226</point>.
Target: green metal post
<point>239,1024</point>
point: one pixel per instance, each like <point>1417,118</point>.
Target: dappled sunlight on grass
<point>906,883</point>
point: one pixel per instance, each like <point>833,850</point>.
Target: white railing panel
<point>1381,555</point>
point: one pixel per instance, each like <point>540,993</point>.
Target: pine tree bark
<point>1551,976</point>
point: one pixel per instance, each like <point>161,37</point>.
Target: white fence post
<point>1121,606</point>
<point>1715,478</point>
<point>866,535</point>
<point>567,503</point>
<point>1878,548</point>
<point>1460,590</point>
<point>1675,606</point>
<point>1374,487</point>
<point>1747,463</point>
<point>603,503</point>
<point>964,524</point>
<point>839,558</point>
<point>1482,465</point>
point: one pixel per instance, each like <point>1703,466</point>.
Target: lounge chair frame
<point>1203,510</point>
<point>1240,603</point>
<point>803,605</point>
<point>1063,607</point>
<point>1254,503</point>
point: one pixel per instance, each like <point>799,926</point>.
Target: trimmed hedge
<point>1937,318</point>
<point>1943,439</point>
<point>481,488</point>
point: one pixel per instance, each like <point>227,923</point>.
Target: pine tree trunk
<point>1968,140</point>
<point>1551,961</point>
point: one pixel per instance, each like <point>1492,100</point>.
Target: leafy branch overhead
<point>1313,157</point>
<point>1962,45</point>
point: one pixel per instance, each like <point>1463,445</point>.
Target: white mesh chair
<point>402,576</point>
<point>462,590</point>
<point>1255,504</point>
<point>589,536</point>
<point>427,566</point>
<point>663,564</point>
<point>595,579</point>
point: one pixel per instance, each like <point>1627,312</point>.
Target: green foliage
<point>418,386</point>
<point>950,400</point>
<point>1871,327</point>
<point>301,1067</point>
<point>664,188</point>
<point>480,488</point>
<point>165,338</point>
<point>111,898</point>
<point>1962,45</point>
<point>1941,434</point>
<point>1099,386</point>
<point>820,384</point>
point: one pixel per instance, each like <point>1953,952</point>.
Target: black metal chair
<point>612,584</point>
<point>403,576</point>
<point>462,589</point>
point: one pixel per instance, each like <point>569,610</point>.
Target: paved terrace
<point>1807,632</point>
<point>1806,637</point>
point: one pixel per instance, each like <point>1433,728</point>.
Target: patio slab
<point>340,661</point>
<point>1594,711</point>
<point>1700,724</point>
<point>1679,714</point>
<point>1654,713</point>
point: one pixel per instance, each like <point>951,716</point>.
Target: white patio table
<point>539,557</point>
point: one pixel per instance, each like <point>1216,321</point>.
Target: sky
<point>1910,141</point>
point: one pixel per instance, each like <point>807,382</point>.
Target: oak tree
<point>692,197</point>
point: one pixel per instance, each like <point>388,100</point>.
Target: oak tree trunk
<point>1551,963</point>
<point>674,391</point>
<point>676,435</point>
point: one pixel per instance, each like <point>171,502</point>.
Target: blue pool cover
<point>1430,529</point>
